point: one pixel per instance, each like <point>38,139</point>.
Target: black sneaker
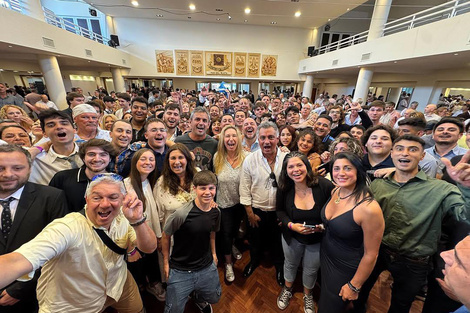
<point>204,307</point>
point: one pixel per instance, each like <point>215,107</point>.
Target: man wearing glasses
<point>258,185</point>
<point>83,268</point>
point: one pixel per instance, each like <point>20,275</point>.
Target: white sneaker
<point>284,298</point>
<point>157,291</point>
<point>229,274</point>
<point>309,305</point>
<point>236,253</point>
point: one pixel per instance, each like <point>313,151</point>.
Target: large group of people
<point>125,193</point>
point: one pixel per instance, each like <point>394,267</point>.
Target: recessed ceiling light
<point>159,15</point>
<point>10,46</point>
<point>273,22</point>
<point>89,61</point>
<point>229,17</point>
<point>329,19</point>
<point>192,7</point>
<point>297,14</point>
<point>246,21</point>
<point>456,54</point>
<point>135,3</point>
<point>15,71</point>
<point>218,18</point>
<point>347,9</point>
<point>247,10</point>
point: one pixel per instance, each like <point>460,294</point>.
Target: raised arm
<point>13,266</point>
<point>372,223</point>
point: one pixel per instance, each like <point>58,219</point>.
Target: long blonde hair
<point>221,155</point>
<point>4,115</point>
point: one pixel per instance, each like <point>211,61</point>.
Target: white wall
<point>141,37</point>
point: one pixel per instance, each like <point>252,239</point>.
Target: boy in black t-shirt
<point>192,268</point>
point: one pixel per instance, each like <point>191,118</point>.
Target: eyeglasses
<point>273,177</point>
<point>111,175</point>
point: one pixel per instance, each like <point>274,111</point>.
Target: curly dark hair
<point>317,144</point>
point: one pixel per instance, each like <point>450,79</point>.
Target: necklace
<point>303,192</point>
<point>339,196</point>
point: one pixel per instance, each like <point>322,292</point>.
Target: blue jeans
<point>205,283</point>
<point>293,253</point>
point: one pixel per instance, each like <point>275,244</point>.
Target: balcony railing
<point>53,19</point>
<point>431,15</point>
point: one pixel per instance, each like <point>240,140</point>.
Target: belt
<point>394,255</point>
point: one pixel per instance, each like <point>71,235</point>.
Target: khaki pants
<point>130,301</point>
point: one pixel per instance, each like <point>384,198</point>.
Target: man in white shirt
<point>258,186</point>
<point>62,155</point>
<point>80,272</point>
<point>124,100</point>
<point>86,120</point>
<point>45,101</point>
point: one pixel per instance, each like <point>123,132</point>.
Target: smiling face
<point>146,163</point>
<point>172,118</point>
<point>285,137</point>
<point>239,119</point>
<point>103,204</point>
<point>226,120</point>
<point>156,135</point>
<point>357,133</point>
<point>344,173</point>
<point>457,269</point>
<point>139,111</point>
<point>406,155</point>
<point>216,128</point>
<point>177,162</point>
<point>305,144</point>
<point>293,117</point>
<point>379,143</point>
<point>199,124</point>
<point>16,136</point>
<point>205,194</point>
<point>14,172</point>
<point>249,128</point>
<point>96,159</point>
<point>322,127</point>
<point>108,122</point>
<point>59,130</point>
<point>230,139</point>
<point>268,141</point>
<point>296,170</point>
<point>121,135</point>
<point>447,133</point>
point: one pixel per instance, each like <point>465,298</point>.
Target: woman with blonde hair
<point>228,162</point>
<point>17,114</point>
<point>107,121</point>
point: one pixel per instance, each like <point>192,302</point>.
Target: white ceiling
<point>315,13</point>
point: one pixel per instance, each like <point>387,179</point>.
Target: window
<point>199,86</point>
<point>89,27</point>
<point>243,88</point>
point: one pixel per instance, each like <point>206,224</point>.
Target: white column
<point>54,83</point>
<point>118,80</point>
<point>110,25</point>
<point>364,79</point>
<point>308,86</point>
<point>379,18</point>
<point>33,8</point>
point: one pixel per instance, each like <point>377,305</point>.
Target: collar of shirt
<point>16,195</point>
<point>81,175</point>
<point>449,155</point>
<point>54,155</point>
<point>419,176</point>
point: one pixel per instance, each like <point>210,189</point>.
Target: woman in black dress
<point>354,228</point>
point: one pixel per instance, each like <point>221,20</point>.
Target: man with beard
<point>446,133</point>
<point>63,153</point>
<point>139,116</point>
<point>86,120</point>
<point>121,135</point>
<point>258,186</point>
<point>171,118</point>
<point>26,209</point>
<point>96,154</point>
<point>156,135</point>
<point>197,141</point>
<point>250,139</point>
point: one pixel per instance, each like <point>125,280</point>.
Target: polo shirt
<point>74,183</point>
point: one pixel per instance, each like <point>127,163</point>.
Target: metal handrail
<point>431,15</point>
<point>53,19</point>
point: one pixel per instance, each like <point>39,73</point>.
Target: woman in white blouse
<point>142,178</point>
<point>174,188</point>
<point>227,166</point>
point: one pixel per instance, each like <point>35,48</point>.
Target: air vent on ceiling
<point>88,53</point>
<point>219,10</point>
<point>334,63</point>
<point>48,42</point>
<point>124,62</point>
<point>294,0</point>
<point>365,57</point>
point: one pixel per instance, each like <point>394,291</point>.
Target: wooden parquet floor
<point>259,293</point>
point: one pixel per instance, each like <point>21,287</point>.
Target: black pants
<point>267,234</point>
<point>230,223</point>
<point>145,268</point>
<point>409,277</point>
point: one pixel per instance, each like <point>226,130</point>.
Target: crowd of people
<point>124,193</point>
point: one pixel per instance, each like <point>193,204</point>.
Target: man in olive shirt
<point>414,206</point>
